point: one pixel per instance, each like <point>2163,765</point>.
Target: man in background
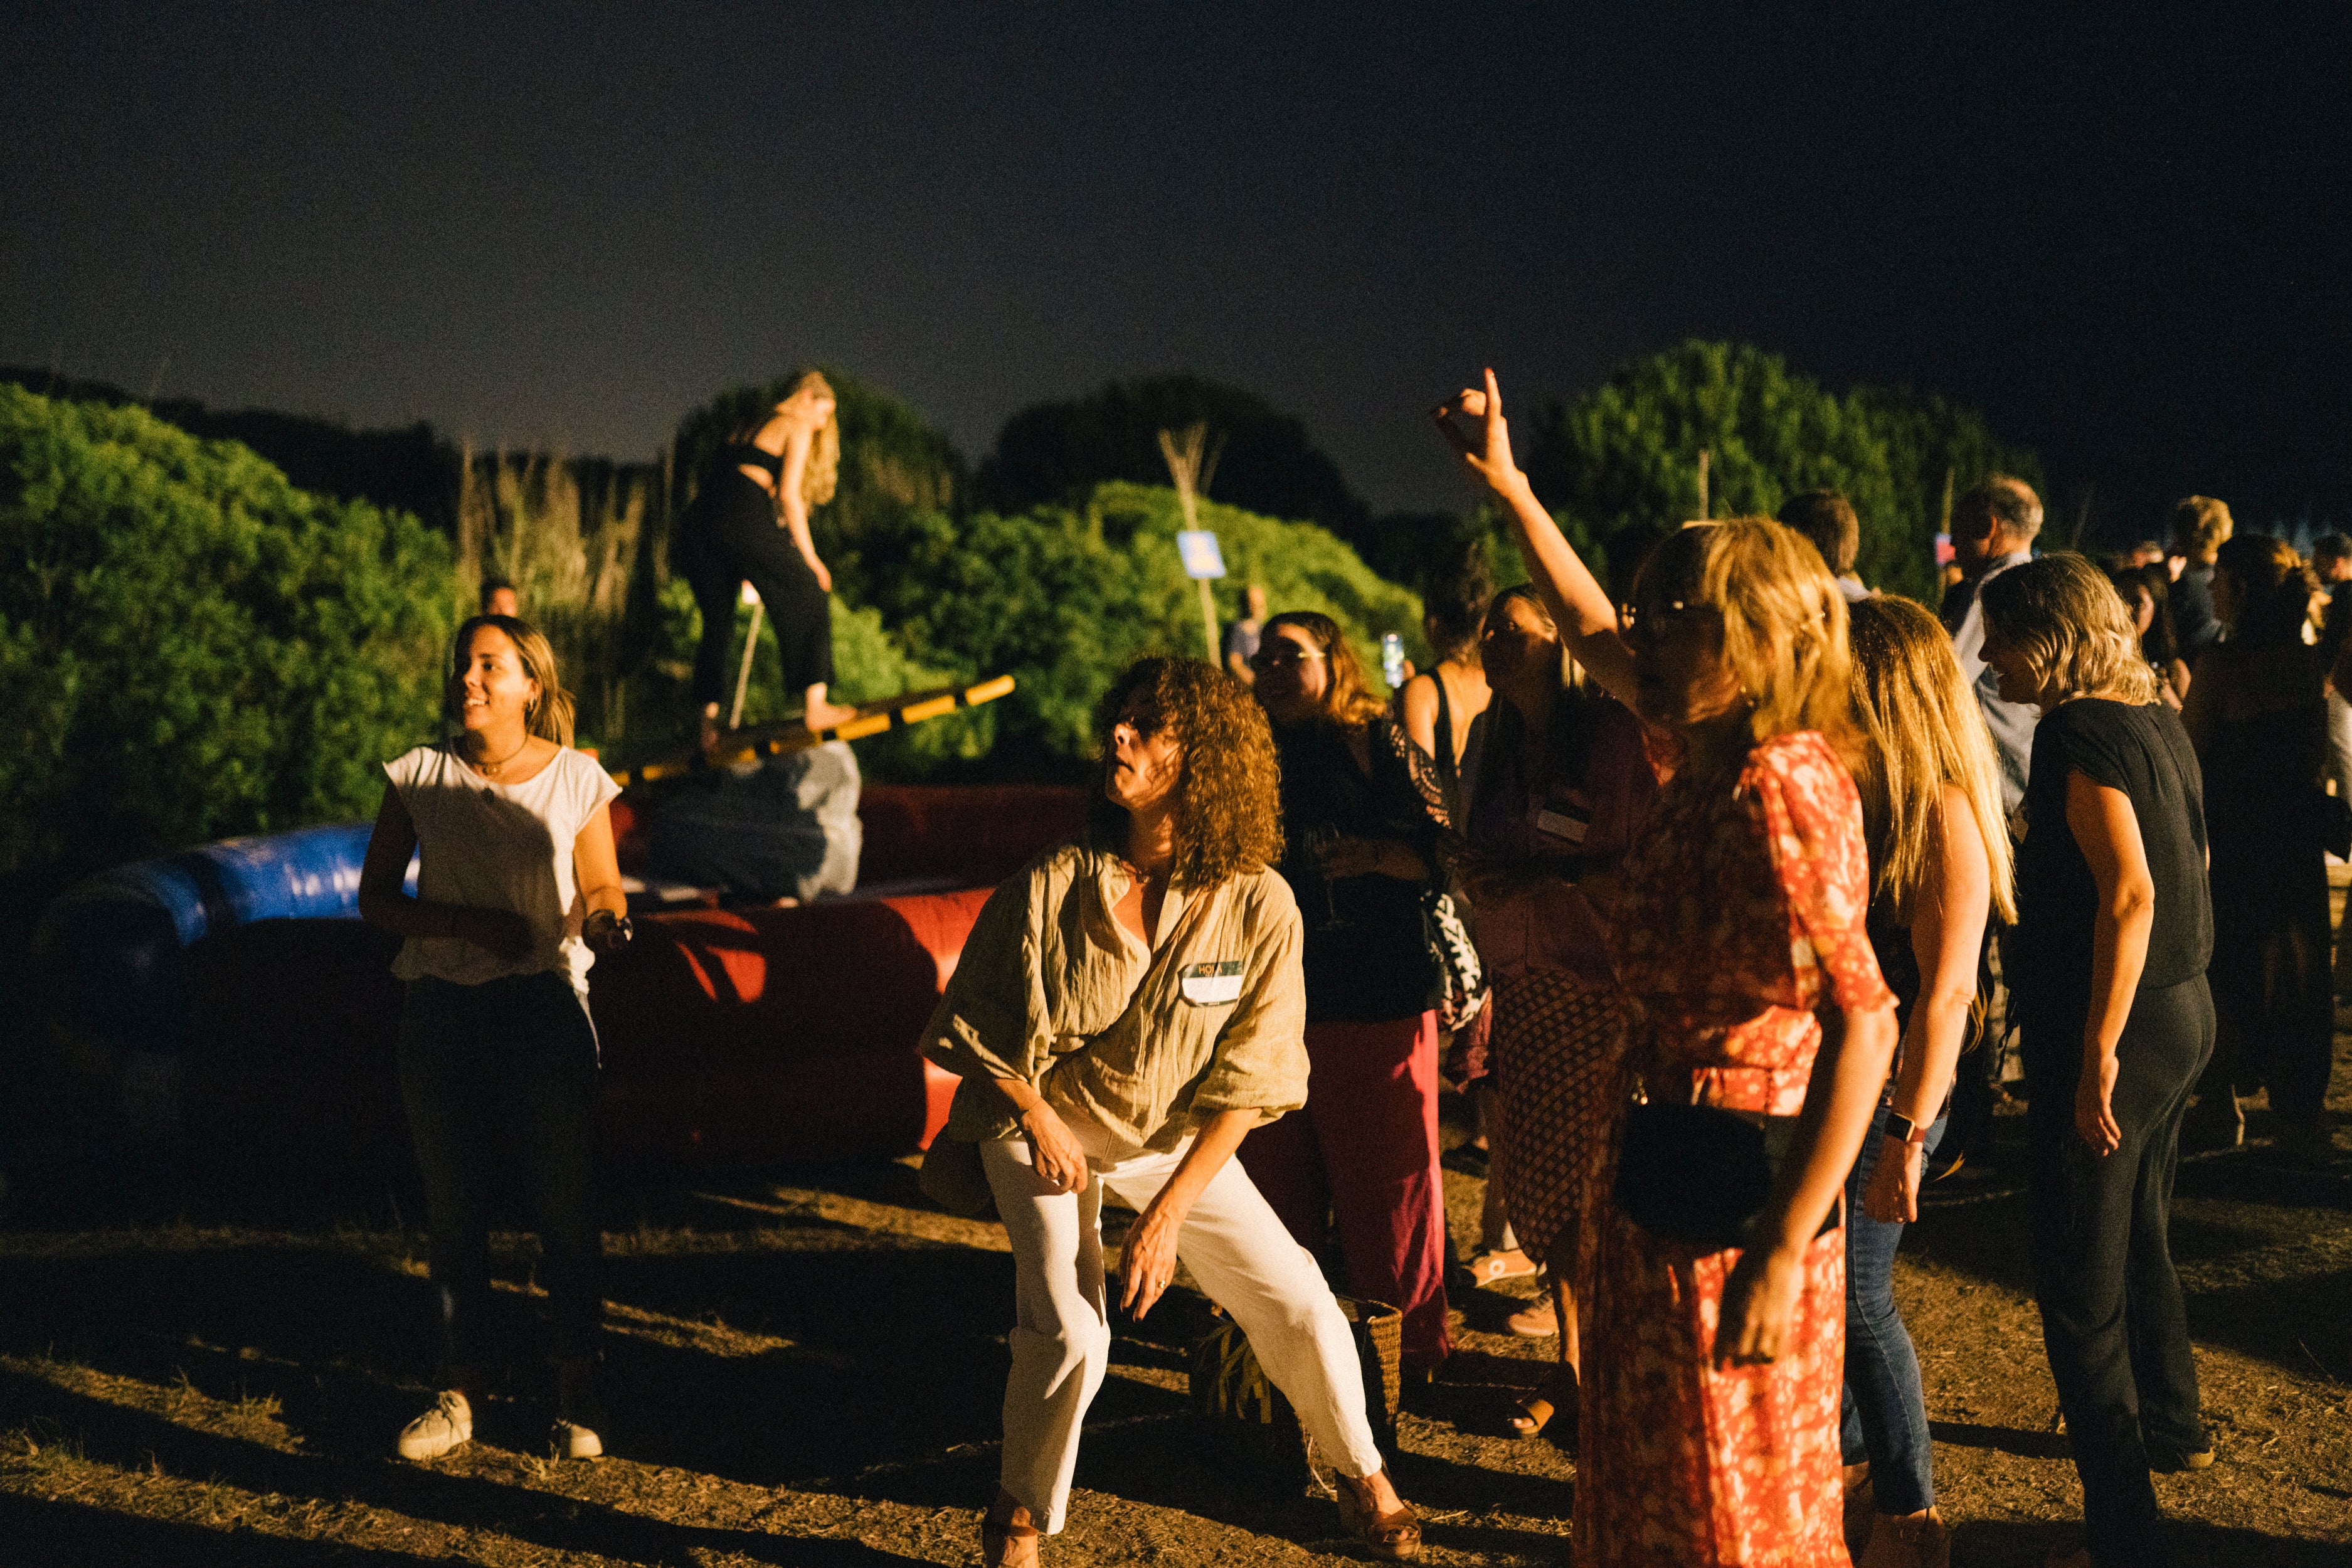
<point>2200,526</point>
<point>1240,638</point>
<point>1994,528</point>
<point>1827,518</point>
<point>500,598</point>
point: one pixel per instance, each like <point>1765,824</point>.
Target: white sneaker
<point>448,1425</point>
<point>571,1440</point>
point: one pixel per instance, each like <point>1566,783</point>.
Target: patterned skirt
<point>1559,1045</point>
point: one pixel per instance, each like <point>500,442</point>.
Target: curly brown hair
<point>1347,701</point>
<point>1228,797</point>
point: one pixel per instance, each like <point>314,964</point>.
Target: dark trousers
<point>729,535</point>
<point>493,1074</point>
<point>2112,1316</point>
<point>1884,1418</point>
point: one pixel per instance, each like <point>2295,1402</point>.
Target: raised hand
<point>1485,448</point>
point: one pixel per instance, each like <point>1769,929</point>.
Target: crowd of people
<point>1759,867</point>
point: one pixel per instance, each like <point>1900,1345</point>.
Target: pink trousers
<point>1362,1157</point>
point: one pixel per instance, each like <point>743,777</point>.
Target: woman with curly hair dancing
<point>1125,1011</point>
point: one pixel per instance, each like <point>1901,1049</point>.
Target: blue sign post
<point>1203,563</point>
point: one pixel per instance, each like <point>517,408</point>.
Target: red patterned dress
<point>1741,905</point>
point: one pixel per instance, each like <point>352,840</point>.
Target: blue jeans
<point>1884,1418</point>
<point>506,1066</point>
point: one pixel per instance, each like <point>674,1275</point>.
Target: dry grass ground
<point>809,1375</point>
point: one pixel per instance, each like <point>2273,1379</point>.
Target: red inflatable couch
<point>734,1036</point>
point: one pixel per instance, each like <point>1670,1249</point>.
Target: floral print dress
<point>1742,906</point>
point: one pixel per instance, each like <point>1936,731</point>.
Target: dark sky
<point>2127,238</point>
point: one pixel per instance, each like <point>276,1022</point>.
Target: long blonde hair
<point>2065,617</point>
<point>549,717</point>
<point>821,476</point>
<point>1783,620</point>
<point>1923,734</point>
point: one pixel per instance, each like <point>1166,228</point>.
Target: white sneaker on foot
<point>571,1440</point>
<point>448,1425</point>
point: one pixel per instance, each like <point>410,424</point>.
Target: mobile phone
<point>1393,659</point>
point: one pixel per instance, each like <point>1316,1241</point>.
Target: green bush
<point>189,646</point>
<point>1627,454</point>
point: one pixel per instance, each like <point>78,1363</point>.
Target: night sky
<point>2128,239</point>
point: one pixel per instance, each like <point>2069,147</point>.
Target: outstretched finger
<point>1493,396</point>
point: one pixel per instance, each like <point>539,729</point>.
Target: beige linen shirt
<point>1132,1047</point>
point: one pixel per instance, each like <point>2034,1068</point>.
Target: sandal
<point>1539,1406</point>
<point>1488,1267</point>
<point>1003,1544</point>
<point>1391,1537</point>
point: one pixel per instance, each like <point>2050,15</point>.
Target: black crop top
<point>736,454</point>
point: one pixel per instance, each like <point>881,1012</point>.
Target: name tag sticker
<point>1211,984</point>
<point>1563,825</point>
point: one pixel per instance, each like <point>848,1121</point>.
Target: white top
<point>490,846</point>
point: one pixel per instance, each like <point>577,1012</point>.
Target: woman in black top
<point>2115,930</point>
<point>749,520</point>
<point>1360,822</point>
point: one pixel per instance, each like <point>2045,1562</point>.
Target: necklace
<point>487,769</point>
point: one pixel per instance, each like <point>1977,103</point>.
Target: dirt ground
<point>808,1372</point>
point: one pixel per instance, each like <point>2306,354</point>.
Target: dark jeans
<point>730,534</point>
<point>2112,1316</point>
<point>505,1068</point>
<point>1884,1419</point>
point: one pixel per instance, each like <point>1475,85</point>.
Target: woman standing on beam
<point>750,520</point>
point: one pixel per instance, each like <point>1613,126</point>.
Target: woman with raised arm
<point>1714,1341</point>
<point>1939,866</point>
<point>751,521</point>
<point>1562,786</point>
<point>1126,1009</point>
<point>517,890</point>
<point>2115,930</point>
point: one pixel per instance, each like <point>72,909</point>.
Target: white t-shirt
<point>499,847</point>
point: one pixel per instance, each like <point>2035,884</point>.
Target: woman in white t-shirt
<point>519,889</point>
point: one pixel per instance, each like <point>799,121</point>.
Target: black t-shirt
<point>2144,753</point>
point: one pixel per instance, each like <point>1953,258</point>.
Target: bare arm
<point>1760,1301</point>
<point>1948,923</point>
<point>1581,606</point>
<point>596,869</point>
<point>2103,824</point>
<point>1420,712</point>
<point>2201,703</point>
<point>384,902</point>
<point>1148,1260</point>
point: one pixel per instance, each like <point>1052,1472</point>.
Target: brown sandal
<point>1003,1544</point>
<point>1391,1537</point>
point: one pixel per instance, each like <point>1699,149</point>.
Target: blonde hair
<point>821,476</point>
<point>2200,523</point>
<point>549,718</point>
<point>1923,733</point>
<point>1784,619</point>
<point>2067,619</point>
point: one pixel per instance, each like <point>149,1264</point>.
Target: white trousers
<point>1242,1257</point>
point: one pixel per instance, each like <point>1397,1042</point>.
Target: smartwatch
<point>1903,1130</point>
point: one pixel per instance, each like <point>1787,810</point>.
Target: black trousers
<point>729,535</point>
<point>2112,1316</point>
<point>506,1067</point>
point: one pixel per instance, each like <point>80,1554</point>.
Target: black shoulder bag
<point>1701,1174</point>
